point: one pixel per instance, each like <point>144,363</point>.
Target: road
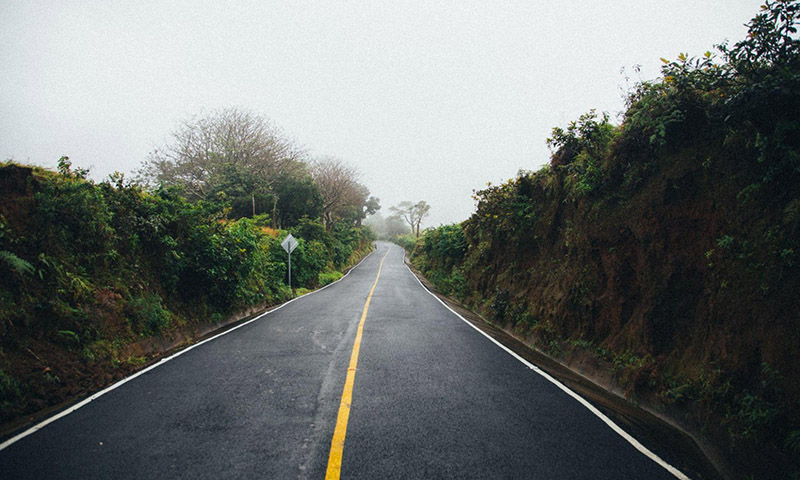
<point>431,398</point>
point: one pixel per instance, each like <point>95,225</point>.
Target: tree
<point>228,150</point>
<point>412,213</point>
<point>297,197</point>
<point>395,226</point>
<point>343,198</point>
<point>370,207</point>
<point>387,228</point>
<point>770,41</point>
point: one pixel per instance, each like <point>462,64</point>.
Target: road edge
<point>171,354</point>
<point>446,301</point>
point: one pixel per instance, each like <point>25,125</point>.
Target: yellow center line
<point>337,444</point>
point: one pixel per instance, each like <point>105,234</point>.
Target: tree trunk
<point>274,212</point>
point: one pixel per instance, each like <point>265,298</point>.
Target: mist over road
<point>432,398</point>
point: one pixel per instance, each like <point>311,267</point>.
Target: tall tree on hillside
<point>363,204</point>
<point>343,197</point>
<point>412,213</point>
<point>296,198</point>
<point>370,207</point>
<point>208,150</point>
<point>239,158</point>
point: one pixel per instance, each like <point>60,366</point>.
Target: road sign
<point>289,244</point>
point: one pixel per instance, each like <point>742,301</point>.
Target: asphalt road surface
<point>432,398</point>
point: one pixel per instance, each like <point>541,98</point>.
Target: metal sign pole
<point>290,270</point>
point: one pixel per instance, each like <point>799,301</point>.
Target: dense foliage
<point>92,269</point>
<point>665,247</point>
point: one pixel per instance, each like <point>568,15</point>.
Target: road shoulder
<point>662,437</point>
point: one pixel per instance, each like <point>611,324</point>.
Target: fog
<point>429,100</point>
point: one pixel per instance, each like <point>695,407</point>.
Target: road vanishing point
<point>370,378</point>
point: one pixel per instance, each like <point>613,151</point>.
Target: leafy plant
<point>581,150</point>
<point>10,392</point>
<point>22,267</point>
<point>147,314</point>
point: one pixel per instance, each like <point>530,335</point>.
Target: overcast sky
<point>428,99</point>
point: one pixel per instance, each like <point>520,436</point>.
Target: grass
<point>326,278</point>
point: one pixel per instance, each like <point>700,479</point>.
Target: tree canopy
<point>412,213</point>
<point>343,197</point>
<point>239,159</point>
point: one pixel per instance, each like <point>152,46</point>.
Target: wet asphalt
<point>433,398</point>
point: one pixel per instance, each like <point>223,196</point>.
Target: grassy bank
<point>98,277</point>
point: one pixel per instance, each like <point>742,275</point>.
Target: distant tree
<point>343,198</point>
<point>395,226</point>
<point>387,228</point>
<point>412,213</point>
<point>370,207</point>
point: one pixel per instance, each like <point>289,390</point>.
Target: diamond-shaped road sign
<point>289,243</point>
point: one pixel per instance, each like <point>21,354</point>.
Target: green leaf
<point>21,266</point>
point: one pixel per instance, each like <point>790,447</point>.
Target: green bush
<point>408,242</point>
<point>581,151</point>
<point>10,392</point>
<point>147,315</point>
<point>326,278</point>
<point>91,268</point>
<point>161,252</point>
<point>445,245</point>
<point>439,255</point>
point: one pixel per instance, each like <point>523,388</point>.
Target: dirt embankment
<point>680,294</point>
<point>592,379</point>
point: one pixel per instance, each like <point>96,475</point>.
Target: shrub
<point>147,315</point>
<point>329,277</point>
<point>408,242</point>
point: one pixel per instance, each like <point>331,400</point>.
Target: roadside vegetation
<point>97,278</point>
<point>663,250</point>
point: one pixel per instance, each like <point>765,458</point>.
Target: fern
<point>21,266</point>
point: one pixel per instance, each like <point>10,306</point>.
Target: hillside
<point>662,254</point>
<point>99,279</point>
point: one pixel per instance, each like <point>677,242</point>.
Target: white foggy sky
<point>429,100</point>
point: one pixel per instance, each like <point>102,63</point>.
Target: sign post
<point>289,244</point>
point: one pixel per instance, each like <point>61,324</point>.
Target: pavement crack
<point>315,449</point>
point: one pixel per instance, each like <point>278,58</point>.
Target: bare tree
<point>342,195</point>
<point>412,213</point>
<point>208,150</point>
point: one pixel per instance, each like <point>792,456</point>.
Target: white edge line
<point>99,394</point>
<point>635,443</point>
